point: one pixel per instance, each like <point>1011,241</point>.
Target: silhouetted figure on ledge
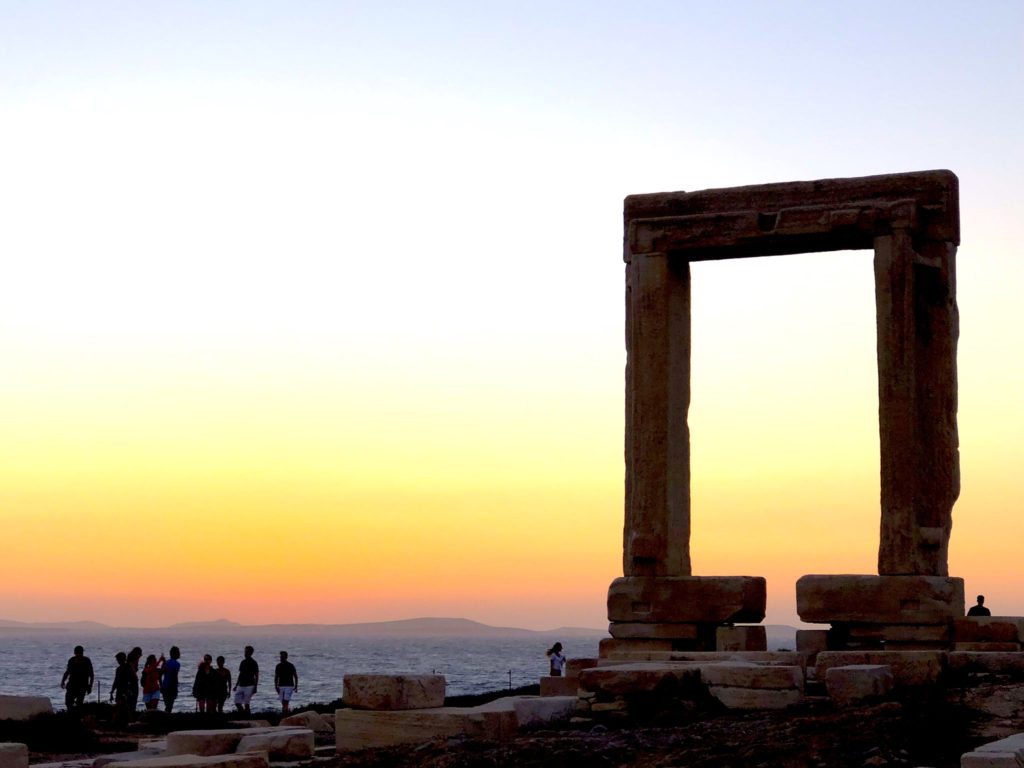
<point>979,609</point>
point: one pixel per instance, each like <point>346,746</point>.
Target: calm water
<point>32,663</point>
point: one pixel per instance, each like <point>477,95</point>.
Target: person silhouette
<point>554,654</point>
<point>979,609</point>
<point>78,679</point>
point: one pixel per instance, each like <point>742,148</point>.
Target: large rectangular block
<point>909,668</point>
<point>24,707</point>
<point>13,755</point>
<point>736,674</point>
<point>669,678</point>
<point>357,729</point>
<point>280,743</point>
<point>989,629</point>
<point>688,599</point>
<point>755,698</point>
<point>241,760</point>
<point>741,639</point>
<point>811,641</point>
<point>865,599</point>
<point>613,646</point>
<point>558,686</point>
<point>393,692</point>
<point>1008,752</point>
<point>858,682</point>
<point>574,666</point>
<point>1011,664</point>
<point>626,630</point>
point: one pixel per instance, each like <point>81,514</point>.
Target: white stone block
<point>356,729</point>
<point>640,677</point>
<point>247,760</point>
<point>754,698</point>
<point>204,743</point>
<point>312,720</point>
<point>909,668</point>
<point>13,755</point>
<point>394,692</point>
<point>1004,753</point>
<point>24,707</point>
<point>741,638</point>
<point>280,743</point>
<point>858,682</point>
<point>559,686</point>
<point>533,710</point>
<point>745,675</point>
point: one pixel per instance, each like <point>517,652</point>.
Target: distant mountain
<point>216,625</point>
<point>54,626</point>
<point>421,627</point>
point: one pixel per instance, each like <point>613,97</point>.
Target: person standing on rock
<point>557,660</point>
<point>151,681</point>
<point>78,679</point>
<point>134,655</point>
<point>121,691</point>
<point>286,681</point>
<point>169,678</point>
<point>204,688</point>
<point>979,609</point>
<point>223,678</point>
<point>247,681</point>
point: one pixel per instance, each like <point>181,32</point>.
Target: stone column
<point>657,530</point>
<point>918,325</point>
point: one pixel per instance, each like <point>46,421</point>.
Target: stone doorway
<point>911,221</point>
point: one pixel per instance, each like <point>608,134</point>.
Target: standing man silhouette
<point>286,681</point>
<point>77,680</point>
<point>248,679</point>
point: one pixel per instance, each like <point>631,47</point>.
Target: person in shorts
<point>77,680</point>
<point>223,687</point>
<point>151,681</point>
<point>247,681</point>
<point>169,678</point>
<point>286,681</point>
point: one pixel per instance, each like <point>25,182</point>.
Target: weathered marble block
<point>24,707</point>
<point>394,692</point>
<point>909,668</point>
<point>312,720</point>
<point>1004,753</point>
<point>735,674</point>
<point>756,698</point>
<point>864,599</point>
<point>280,743</point>
<point>246,760</point>
<point>687,599</point>
<point>857,683</point>
<point>643,677</point>
<point>573,667</point>
<point>989,629</point>
<point>558,686</point>
<point>811,641</point>
<point>625,630</point>
<point>13,755</point>
<point>363,729</point>
<point>741,639</point>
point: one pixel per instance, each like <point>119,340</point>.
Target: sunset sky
<point>313,311</point>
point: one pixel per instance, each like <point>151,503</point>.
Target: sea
<point>32,663</point>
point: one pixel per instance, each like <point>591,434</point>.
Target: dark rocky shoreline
<point>930,728</point>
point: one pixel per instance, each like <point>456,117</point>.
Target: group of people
<point>159,680</point>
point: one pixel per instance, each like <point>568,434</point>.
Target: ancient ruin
<point>911,220</point>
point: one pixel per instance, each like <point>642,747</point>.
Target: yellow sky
<point>323,321</point>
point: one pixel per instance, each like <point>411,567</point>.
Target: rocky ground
<point>922,730</point>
